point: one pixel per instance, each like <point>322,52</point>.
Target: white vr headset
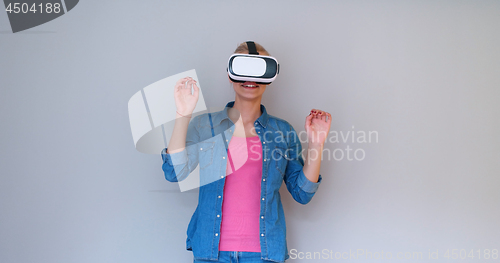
<point>252,67</point>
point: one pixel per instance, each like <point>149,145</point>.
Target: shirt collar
<point>262,120</point>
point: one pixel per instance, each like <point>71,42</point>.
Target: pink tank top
<point>241,202</point>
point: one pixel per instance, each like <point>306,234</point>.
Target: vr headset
<point>252,67</point>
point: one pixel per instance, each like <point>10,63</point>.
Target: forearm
<point>177,141</point>
<point>313,162</point>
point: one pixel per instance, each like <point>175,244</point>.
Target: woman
<point>240,218</point>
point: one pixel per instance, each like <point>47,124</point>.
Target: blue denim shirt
<point>206,145</point>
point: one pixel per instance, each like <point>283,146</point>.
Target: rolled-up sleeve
<point>306,185</point>
<point>177,158</point>
<point>301,188</point>
<point>177,166</point>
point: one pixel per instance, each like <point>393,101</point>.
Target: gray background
<point>424,74</point>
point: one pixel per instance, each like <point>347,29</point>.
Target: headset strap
<point>252,50</point>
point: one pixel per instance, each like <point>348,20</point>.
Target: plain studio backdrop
<point>422,75</point>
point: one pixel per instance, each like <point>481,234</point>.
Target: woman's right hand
<point>185,101</point>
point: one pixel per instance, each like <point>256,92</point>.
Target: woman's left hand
<point>318,126</point>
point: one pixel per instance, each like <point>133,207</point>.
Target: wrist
<point>182,115</point>
<point>315,145</point>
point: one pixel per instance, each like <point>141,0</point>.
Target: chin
<point>249,96</point>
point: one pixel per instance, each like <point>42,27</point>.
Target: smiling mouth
<point>250,85</point>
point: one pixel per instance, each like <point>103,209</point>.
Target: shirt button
<point>261,234</point>
<point>262,217</point>
<point>219,196</point>
<point>201,149</point>
<point>264,179</point>
<point>222,176</point>
<point>264,160</point>
<point>216,234</point>
<point>227,140</point>
<point>218,215</point>
<point>264,142</point>
<point>263,198</point>
<point>230,130</point>
<point>223,157</point>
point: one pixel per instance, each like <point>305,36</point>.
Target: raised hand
<point>318,126</point>
<point>185,101</point>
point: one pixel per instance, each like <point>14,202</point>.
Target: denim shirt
<point>207,140</point>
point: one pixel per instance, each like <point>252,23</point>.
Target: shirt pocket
<point>280,158</point>
<point>206,154</point>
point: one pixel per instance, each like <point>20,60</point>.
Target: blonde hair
<point>243,48</point>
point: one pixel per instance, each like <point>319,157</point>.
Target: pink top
<point>241,202</point>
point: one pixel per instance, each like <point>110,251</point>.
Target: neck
<point>248,109</point>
